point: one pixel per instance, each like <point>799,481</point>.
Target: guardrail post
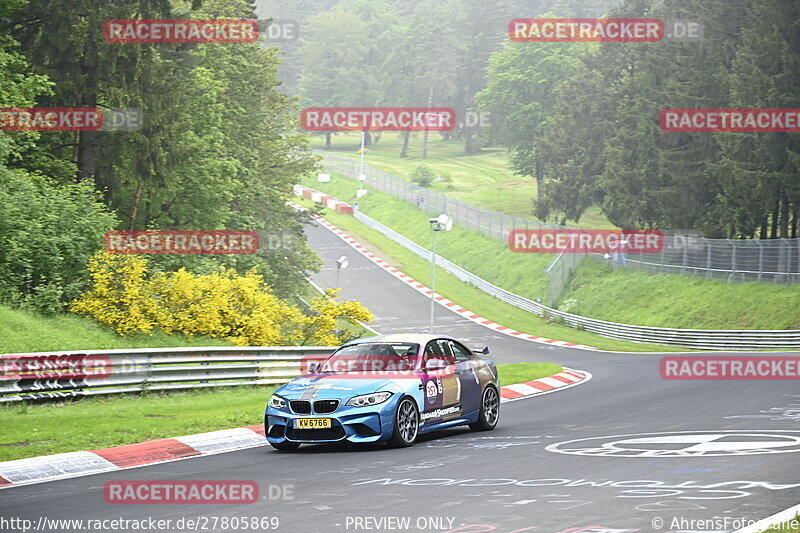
<point>683,255</point>
<point>788,260</point>
<point>760,260</point>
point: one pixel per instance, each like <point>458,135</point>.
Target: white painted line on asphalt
<point>774,520</point>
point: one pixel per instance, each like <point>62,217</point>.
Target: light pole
<point>341,263</point>
<point>361,176</point>
<point>441,223</point>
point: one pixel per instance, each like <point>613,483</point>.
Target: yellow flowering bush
<point>120,295</point>
<point>321,327</point>
<point>223,304</point>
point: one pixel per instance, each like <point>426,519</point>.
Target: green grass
<point>24,331</point>
<point>626,296</point>
<point>472,298</point>
<point>30,429</point>
<point>483,179</point>
<point>795,523</point>
<point>522,372</point>
<point>636,297</point>
<point>484,256</point>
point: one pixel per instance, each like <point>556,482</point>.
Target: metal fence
<point>486,222</point>
<point>734,260</point>
<point>54,375</point>
<point>689,338</point>
<point>559,273</point>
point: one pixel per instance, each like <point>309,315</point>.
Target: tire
<point>285,446</point>
<point>406,424</point>
<point>490,410</point>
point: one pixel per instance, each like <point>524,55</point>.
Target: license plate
<point>312,423</point>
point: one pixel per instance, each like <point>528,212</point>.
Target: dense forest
<point>580,118</point>
<point>220,147</point>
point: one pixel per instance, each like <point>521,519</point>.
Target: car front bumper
<point>353,424</point>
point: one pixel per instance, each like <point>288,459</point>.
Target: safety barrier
<point>734,260</point>
<point>53,375</point>
<point>689,338</point>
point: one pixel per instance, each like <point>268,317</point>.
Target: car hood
<point>330,386</point>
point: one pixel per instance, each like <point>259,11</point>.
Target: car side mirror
<point>485,350</point>
<point>435,364</point>
<point>313,368</point>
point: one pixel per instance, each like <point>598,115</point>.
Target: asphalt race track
<point>548,467</point>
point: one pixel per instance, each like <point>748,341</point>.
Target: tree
<point>47,229</point>
<point>759,172</point>
<point>525,83</point>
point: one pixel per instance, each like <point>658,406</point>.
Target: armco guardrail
<point>734,260</point>
<point>700,339</point>
<point>48,375</point>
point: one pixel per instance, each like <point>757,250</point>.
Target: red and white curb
<point>76,464</point>
<point>564,380</point>
<point>423,289</point>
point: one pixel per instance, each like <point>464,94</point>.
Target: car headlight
<point>369,399</point>
<point>276,402</point>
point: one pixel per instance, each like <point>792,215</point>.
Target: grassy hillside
<point>623,296</point>
<point>484,256</point>
<point>23,331</point>
<point>636,297</point>
<point>472,298</point>
<point>483,179</point>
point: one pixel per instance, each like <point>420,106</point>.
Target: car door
<point>441,387</point>
<point>467,375</point>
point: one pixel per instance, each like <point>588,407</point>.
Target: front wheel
<point>285,446</point>
<point>490,411</point>
<point>406,424</point>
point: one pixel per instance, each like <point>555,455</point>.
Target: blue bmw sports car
<point>388,388</point>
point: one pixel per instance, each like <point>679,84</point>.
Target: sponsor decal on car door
<point>442,388</point>
<point>467,372</point>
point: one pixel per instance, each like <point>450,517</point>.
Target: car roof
<point>418,338</point>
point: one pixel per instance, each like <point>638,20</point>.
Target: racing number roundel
<point>431,391</point>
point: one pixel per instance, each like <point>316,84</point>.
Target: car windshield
<point>373,357</point>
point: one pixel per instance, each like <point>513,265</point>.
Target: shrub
<point>47,234</point>
<point>423,175</point>
<point>222,304</point>
<point>570,305</point>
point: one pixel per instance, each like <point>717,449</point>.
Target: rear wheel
<point>490,411</point>
<point>406,424</point>
<point>285,446</point>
